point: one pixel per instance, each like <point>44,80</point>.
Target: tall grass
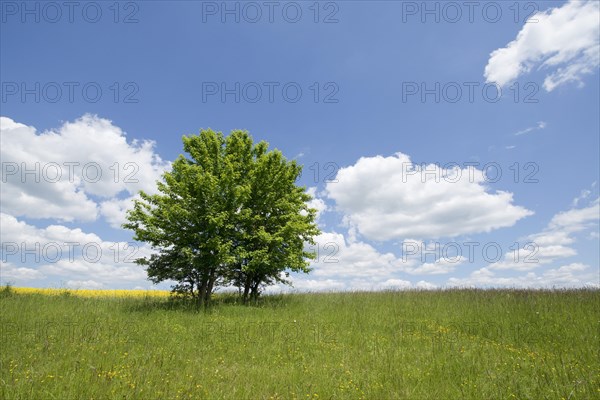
<point>455,344</point>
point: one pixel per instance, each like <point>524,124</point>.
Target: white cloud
<point>424,285</point>
<point>12,274</point>
<point>72,167</point>
<point>577,219</point>
<point>540,125</point>
<point>316,202</point>
<point>392,198</point>
<point>396,284</point>
<point>565,273</point>
<point>415,254</point>
<point>571,275</point>
<point>314,285</point>
<point>440,266</point>
<point>89,284</point>
<point>338,257</point>
<point>355,265</point>
<point>552,243</point>
<point>582,196</point>
<point>114,210</point>
<point>302,284</point>
<point>564,38</point>
<point>19,232</point>
<point>60,254</point>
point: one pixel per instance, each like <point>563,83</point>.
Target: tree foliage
<point>229,214</point>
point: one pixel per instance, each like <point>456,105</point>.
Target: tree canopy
<point>230,214</point>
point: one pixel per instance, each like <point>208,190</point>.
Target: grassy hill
<point>455,344</point>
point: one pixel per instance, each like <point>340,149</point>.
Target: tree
<point>230,214</point>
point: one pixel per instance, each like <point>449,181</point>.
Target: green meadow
<point>450,344</point>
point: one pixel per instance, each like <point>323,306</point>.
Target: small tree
<point>231,214</point>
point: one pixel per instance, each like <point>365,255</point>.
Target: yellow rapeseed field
<point>94,292</point>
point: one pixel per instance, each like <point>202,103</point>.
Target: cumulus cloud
<point>114,210</point>
<point>59,254</point>
<point>570,275</point>
<point>76,172</point>
<point>339,257</point>
<point>576,219</point>
<point>554,242</point>
<point>564,41</point>
<point>424,285</point>
<point>392,198</point>
<point>303,284</point>
<point>396,284</point>
<point>316,202</point>
<point>440,266</point>
<point>89,284</point>
<point>344,263</point>
<point>12,274</point>
<point>446,257</point>
<point>314,285</point>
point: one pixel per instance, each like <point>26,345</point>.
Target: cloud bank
<point>564,41</point>
<point>392,198</point>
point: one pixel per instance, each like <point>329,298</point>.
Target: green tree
<point>230,214</point>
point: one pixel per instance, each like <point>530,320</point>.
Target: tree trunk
<point>202,290</point>
<point>255,286</point>
<point>209,287</point>
<point>246,289</point>
<point>191,281</point>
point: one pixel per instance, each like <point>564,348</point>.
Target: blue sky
<point>165,69</point>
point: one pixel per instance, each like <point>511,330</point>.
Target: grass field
<point>455,344</point>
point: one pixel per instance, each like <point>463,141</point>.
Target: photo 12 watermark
<point>54,12</point>
<point>469,251</point>
<point>71,171</point>
<point>286,332</point>
<point>474,171</point>
<point>483,333</point>
<point>324,253</point>
<point>252,12</point>
<point>270,92</point>
<point>325,172</point>
<point>66,331</point>
<point>453,12</point>
<point>468,92</point>
<point>52,252</point>
<point>69,92</point>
